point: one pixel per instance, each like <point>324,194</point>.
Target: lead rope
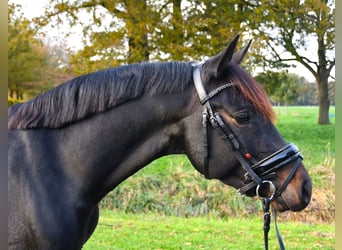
<point>267,220</point>
<point>280,239</point>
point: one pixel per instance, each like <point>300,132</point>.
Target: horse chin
<point>281,205</point>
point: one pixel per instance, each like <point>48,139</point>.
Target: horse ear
<point>238,56</point>
<point>215,65</point>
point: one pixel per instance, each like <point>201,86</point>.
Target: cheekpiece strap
<point>202,93</point>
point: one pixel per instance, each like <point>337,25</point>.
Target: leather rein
<point>258,173</point>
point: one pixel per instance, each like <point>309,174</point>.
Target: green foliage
<point>151,231</point>
<point>198,28</point>
<point>281,87</point>
<point>31,66</point>
<point>23,55</point>
<point>133,31</point>
<point>11,101</point>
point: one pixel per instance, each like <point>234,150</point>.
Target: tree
<point>282,87</point>
<point>190,30</point>
<point>286,27</point>
<point>308,93</point>
<point>120,32</point>
<point>289,90</point>
<point>270,82</point>
<point>32,66</point>
<point>25,58</point>
<point>111,28</point>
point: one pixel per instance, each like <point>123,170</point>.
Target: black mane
<point>96,92</point>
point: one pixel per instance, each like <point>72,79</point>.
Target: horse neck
<point>111,146</point>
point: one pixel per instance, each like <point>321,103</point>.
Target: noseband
<point>258,173</point>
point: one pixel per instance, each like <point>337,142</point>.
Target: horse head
<point>232,137</point>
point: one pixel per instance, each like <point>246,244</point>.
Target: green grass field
<point>168,205</point>
<point>150,231</point>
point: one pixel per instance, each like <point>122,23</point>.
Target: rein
<point>258,173</point>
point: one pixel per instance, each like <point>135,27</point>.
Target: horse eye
<point>242,118</point>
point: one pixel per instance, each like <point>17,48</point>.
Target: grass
<point>316,142</point>
<point>169,205</point>
<point>148,231</point>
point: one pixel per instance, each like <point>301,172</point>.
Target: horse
<point>72,145</point>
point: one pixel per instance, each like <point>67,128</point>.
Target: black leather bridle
<point>259,174</point>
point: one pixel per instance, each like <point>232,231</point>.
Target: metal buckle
<point>266,187</point>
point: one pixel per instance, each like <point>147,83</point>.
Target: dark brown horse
<point>72,145</point>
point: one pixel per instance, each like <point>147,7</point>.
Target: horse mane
<point>250,90</point>
<point>97,92</point>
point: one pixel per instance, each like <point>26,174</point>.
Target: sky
<point>36,8</point>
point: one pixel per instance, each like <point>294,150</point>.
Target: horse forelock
<point>250,90</point>
<point>99,91</point>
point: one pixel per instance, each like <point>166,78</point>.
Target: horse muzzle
<point>282,178</point>
<point>297,195</point>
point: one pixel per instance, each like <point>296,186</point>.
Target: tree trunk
<point>178,36</point>
<point>11,93</point>
<point>287,108</point>
<point>18,92</point>
<point>323,72</point>
<point>323,100</point>
<point>137,32</point>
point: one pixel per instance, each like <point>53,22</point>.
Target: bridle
<point>258,173</point>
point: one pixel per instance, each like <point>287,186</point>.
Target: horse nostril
<point>306,191</point>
